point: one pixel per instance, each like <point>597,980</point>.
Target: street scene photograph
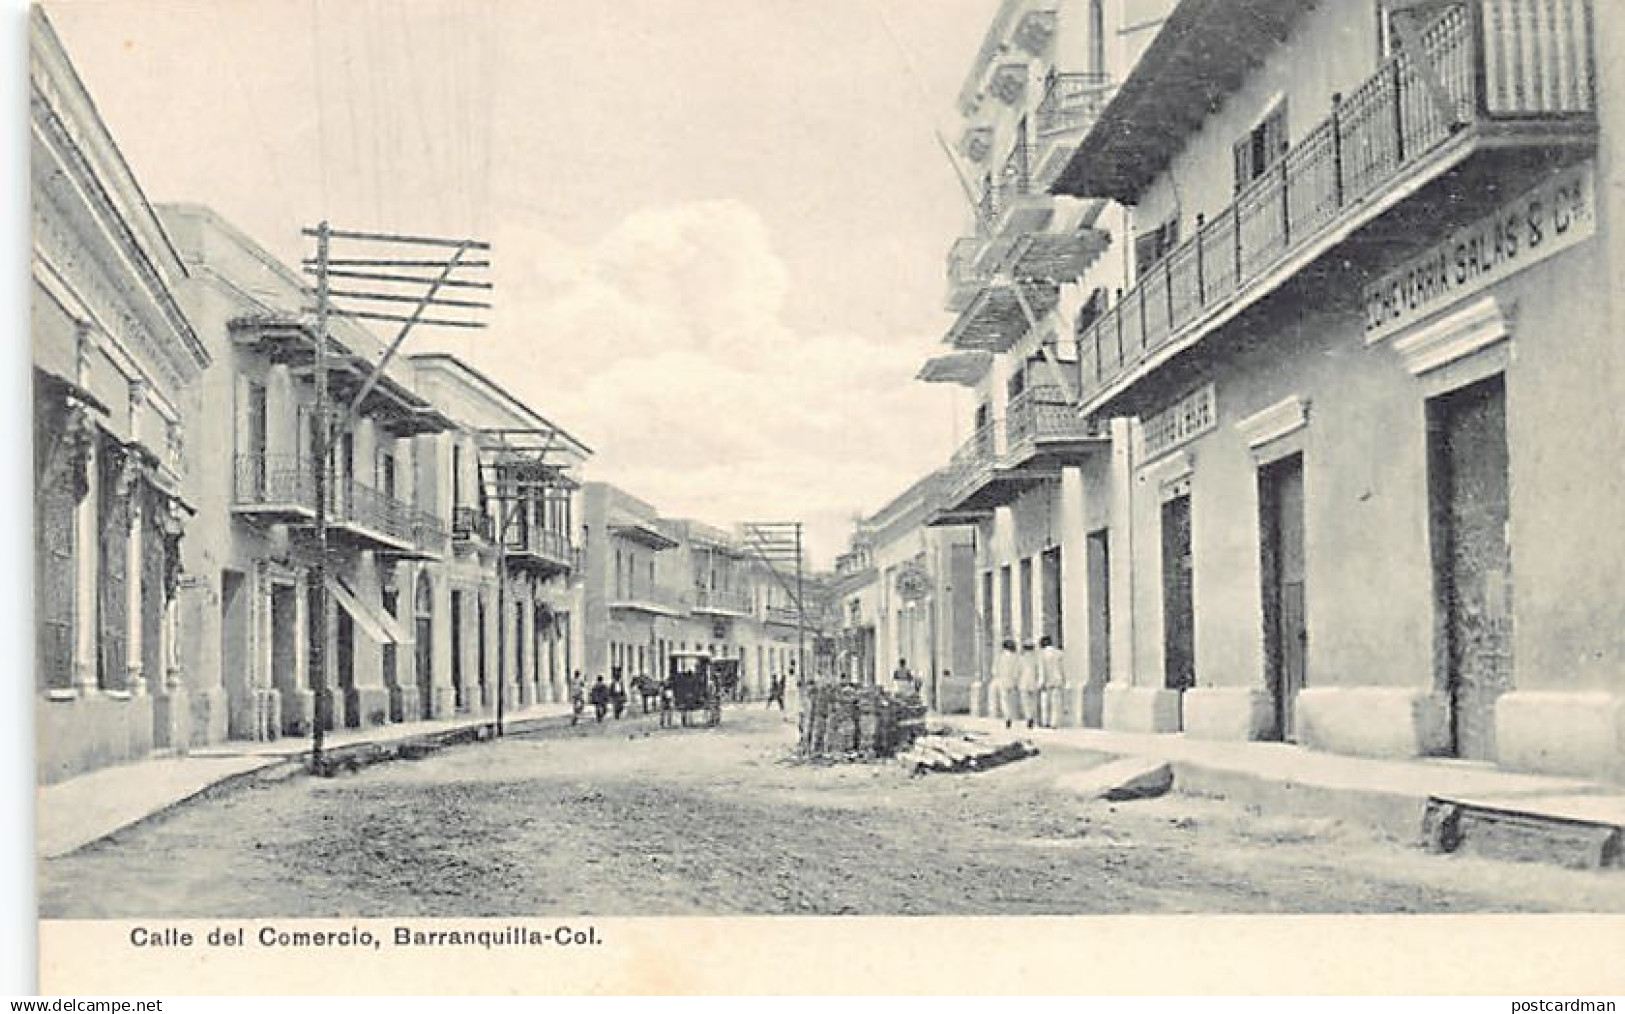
<point>498,459</point>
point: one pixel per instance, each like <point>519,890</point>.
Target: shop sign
<point>1545,220</point>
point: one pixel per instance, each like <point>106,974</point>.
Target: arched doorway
<point>423,610</point>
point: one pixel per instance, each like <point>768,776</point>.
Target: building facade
<point>654,586</point>
<point>1369,363</point>
<point>115,368</point>
<point>1035,483</point>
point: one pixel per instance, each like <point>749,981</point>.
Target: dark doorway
<point>1472,558</point>
<point>480,659</point>
<point>423,610</point>
<point>1100,607</point>
<point>1286,631</point>
<point>459,701</point>
<point>344,664</point>
<point>284,656</point>
<point>234,654</point>
<point>1178,614</point>
<point>1054,620</point>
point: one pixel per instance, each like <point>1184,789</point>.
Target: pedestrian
<point>578,697</point>
<point>902,681</point>
<point>1052,683</point>
<point>617,694</point>
<point>1027,683</point>
<point>600,698</point>
<point>775,691</point>
<point>1002,689</point>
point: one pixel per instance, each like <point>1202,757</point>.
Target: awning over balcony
<point>373,620</point>
<point>966,368</point>
<point>995,320</point>
<point>1202,53</point>
<point>644,535</point>
<point>1058,257</point>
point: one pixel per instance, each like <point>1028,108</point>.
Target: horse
<point>648,689</point>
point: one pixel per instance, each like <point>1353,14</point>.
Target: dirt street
<point>625,819</point>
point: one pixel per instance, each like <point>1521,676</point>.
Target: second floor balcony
<point>281,489</point>
<point>722,602</point>
<point>539,550</point>
<point>643,597</point>
<point>1040,434</point>
<point>1493,95</point>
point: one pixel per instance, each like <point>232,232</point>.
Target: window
<point>386,473</point>
<point>1154,244</point>
<point>1262,147</point>
<point>1017,382</point>
<point>456,476</point>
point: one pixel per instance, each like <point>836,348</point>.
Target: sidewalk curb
<point>350,758</point>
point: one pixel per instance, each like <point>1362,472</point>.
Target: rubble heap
<point>962,752</point>
<point>843,720</point>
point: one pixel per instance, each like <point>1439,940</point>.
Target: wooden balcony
<point>1500,94</point>
<point>367,519</point>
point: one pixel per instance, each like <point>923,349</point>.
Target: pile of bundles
<point>962,752</point>
<point>857,722</point>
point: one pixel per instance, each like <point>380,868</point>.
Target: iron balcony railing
<point>971,462</point>
<point>724,599</point>
<point>429,532</point>
<point>1072,102</point>
<point>472,523</point>
<point>1042,413</point>
<point>541,542</point>
<point>274,480</point>
<point>1491,60</point>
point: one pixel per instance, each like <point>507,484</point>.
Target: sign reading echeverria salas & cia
<point>1553,216</point>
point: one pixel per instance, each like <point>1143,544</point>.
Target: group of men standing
<point>1029,686</point>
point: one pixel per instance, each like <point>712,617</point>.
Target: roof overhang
<point>966,368</point>
<point>995,320</point>
<point>1204,51</point>
<point>644,535</point>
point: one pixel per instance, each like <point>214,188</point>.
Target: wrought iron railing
<point>1044,413</point>
<point>472,523</point>
<point>542,542</point>
<point>1072,102</point>
<point>282,480</point>
<point>1490,60</point>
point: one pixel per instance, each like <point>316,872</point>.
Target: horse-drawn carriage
<point>693,685</point>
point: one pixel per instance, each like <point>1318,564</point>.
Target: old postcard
<point>1104,496</point>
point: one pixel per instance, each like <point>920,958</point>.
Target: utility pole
<point>413,287</point>
<point>519,469</point>
<point>778,544</point>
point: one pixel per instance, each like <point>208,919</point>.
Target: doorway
<point>458,698</point>
<point>1100,607</point>
<point>1286,630</point>
<point>1178,608</point>
<point>234,654</point>
<point>423,611</point>
<point>1472,558</point>
<point>284,656</point>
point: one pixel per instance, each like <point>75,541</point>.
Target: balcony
<point>722,602</point>
<point>785,616</point>
<point>273,488</point>
<point>1071,104</point>
<point>655,600</point>
<point>540,551</point>
<point>472,525</point>
<point>1041,433</point>
<point>368,519</point>
<point>1502,97</point>
<point>967,274</point>
<point>1045,430</point>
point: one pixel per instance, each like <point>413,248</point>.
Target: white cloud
<point>665,347</point>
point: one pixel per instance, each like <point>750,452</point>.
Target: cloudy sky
<point>719,225</point>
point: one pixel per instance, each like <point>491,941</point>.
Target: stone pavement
<point>73,813</point>
<point>1391,795</point>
